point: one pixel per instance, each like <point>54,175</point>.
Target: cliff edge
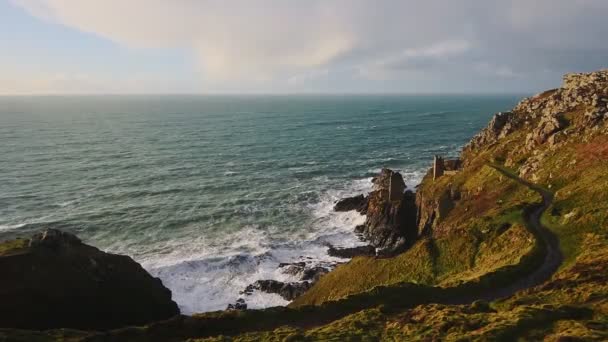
<point>53,280</point>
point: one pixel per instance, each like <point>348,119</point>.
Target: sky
<point>294,46</point>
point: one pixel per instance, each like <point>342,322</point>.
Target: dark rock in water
<point>351,252</point>
<point>306,273</point>
<point>359,229</point>
<point>239,305</point>
<point>289,291</point>
<point>56,281</point>
<point>301,264</point>
<point>390,225</point>
<point>358,203</point>
<point>292,268</point>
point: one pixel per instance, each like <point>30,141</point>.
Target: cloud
<point>416,59</point>
<point>292,42</point>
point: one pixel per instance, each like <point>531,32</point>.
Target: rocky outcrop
<point>358,203</point>
<point>501,125</point>
<point>238,305</point>
<point>56,281</point>
<point>433,207</point>
<point>303,271</point>
<point>307,274</point>
<point>289,291</point>
<point>390,225</point>
<point>351,252</point>
<point>546,128</point>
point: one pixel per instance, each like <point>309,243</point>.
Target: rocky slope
<point>53,280</point>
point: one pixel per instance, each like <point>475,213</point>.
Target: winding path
<point>553,256</point>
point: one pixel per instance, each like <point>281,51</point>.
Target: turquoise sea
<point>211,193</point>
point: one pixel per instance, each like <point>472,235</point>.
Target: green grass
<point>13,246</point>
<point>477,241</point>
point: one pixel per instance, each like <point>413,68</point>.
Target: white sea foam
<point>208,274</point>
<point>11,226</point>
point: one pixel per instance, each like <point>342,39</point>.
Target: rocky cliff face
<point>54,280</point>
<point>524,138</point>
<point>390,225</point>
<point>570,112</point>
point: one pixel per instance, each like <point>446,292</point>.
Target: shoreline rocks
<point>307,274</point>
<point>351,252</point>
<point>56,281</point>
<point>391,212</point>
<point>289,291</point>
<point>358,203</point>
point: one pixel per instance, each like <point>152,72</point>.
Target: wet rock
<point>289,291</point>
<point>351,252</point>
<point>239,305</point>
<point>390,225</point>
<point>292,268</point>
<point>303,271</point>
<point>56,281</point>
<point>314,273</point>
<point>357,203</point>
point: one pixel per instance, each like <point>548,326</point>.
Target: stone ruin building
<point>445,166</point>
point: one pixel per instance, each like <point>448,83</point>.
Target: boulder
<point>304,271</point>
<point>351,252</point>
<point>238,305</point>
<point>501,125</point>
<point>358,203</point>
<point>292,268</point>
<point>289,291</point>
<point>547,126</point>
<point>56,281</point>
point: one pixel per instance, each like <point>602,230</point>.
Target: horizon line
<point>263,94</point>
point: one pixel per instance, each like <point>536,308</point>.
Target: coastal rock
<point>56,281</point>
<point>292,268</point>
<point>501,125</point>
<point>304,271</point>
<point>391,214</point>
<point>314,273</point>
<point>358,203</point>
<point>53,238</point>
<point>547,126</point>
<point>289,291</point>
<point>351,252</point>
<point>238,305</point>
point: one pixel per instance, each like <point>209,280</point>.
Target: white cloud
<point>244,44</point>
<point>250,40</point>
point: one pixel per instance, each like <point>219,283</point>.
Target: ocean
<point>211,193</point>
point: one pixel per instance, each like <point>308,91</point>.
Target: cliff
<point>53,280</point>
